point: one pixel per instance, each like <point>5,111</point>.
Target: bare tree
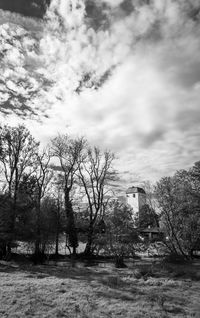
<point>17,156</point>
<point>43,175</point>
<point>68,152</point>
<point>59,214</point>
<point>95,175</point>
<point>150,195</point>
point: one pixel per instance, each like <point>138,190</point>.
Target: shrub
<point>175,259</point>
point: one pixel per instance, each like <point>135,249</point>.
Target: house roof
<point>151,230</point>
<point>135,190</point>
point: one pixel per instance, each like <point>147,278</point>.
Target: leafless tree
<point>43,175</point>
<point>68,152</point>
<point>95,175</point>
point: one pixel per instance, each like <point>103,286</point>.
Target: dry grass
<point>80,292</point>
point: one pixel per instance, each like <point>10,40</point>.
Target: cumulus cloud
<point>126,74</point>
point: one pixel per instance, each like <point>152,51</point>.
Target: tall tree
<point>95,175</point>
<point>5,223</point>
<point>43,175</point>
<point>17,156</point>
<point>68,152</point>
<point>57,214</point>
<point>180,211</point>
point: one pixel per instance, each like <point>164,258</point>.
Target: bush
<point>119,262</point>
<point>137,274</point>
<point>175,259</point>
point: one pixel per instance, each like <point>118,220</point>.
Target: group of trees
<point>43,191</point>
<point>39,187</point>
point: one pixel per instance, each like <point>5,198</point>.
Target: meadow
<point>142,290</point>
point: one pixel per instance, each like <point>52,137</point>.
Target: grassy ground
<point>144,290</point>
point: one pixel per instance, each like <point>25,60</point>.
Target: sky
<point>123,73</point>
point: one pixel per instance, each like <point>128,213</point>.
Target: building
<point>136,198</point>
<point>152,233</point>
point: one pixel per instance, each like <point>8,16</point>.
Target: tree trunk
<point>57,242</point>
<point>191,253</point>
<point>70,226</point>
<point>119,261</point>
<point>37,247</point>
<point>88,248</point>
<point>3,250</point>
<point>38,231</point>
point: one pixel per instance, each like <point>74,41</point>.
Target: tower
<point>136,198</point>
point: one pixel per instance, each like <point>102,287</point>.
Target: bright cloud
<point>124,73</point>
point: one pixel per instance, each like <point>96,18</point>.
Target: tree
<point>54,209</point>
<point>68,152</point>
<point>191,181</point>
<point>5,223</point>
<point>179,202</point>
<point>17,156</point>
<point>59,220</point>
<point>147,217</point>
<point>120,233</point>
<point>25,222</point>
<point>43,175</point>
<point>50,224</point>
<point>194,175</point>
<point>95,175</point>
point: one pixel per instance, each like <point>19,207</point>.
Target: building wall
<point>136,201</point>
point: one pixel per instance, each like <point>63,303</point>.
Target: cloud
<point>20,77</point>
<point>33,8</point>
<point>113,3</point>
<point>126,74</point>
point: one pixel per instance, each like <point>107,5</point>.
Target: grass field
<point>142,290</point>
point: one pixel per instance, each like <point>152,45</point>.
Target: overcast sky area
<point>126,74</point>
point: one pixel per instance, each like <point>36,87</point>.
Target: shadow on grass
<point>76,271</point>
<point>110,277</point>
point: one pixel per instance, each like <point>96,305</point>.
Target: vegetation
<point>120,236</point>
<point>66,189</point>
<point>40,186</point>
<point>68,152</point>
<point>179,203</point>
<point>95,174</point>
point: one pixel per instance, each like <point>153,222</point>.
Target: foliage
<point>5,222</point>
<point>38,199</point>
<point>179,201</point>
<point>147,217</point>
<point>52,220</point>
<point>120,235</point>
<point>17,156</point>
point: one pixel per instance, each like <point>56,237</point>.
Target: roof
<point>151,230</point>
<point>135,190</point>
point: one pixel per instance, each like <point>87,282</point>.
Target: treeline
<point>65,192</point>
<point>41,190</point>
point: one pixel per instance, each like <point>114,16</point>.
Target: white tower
<point>136,198</point>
